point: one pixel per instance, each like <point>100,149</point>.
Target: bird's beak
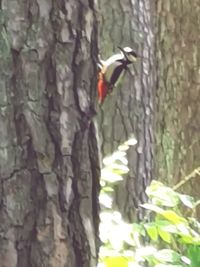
<point>139,56</point>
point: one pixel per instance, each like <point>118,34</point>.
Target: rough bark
<point>129,109</point>
<point>178,93</point>
<point>49,166</point>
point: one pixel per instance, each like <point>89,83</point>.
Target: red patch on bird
<point>102,88</point>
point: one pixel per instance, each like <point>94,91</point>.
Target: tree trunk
<point>178,110</point>
<point>49,166</point>
<point>129,109</point>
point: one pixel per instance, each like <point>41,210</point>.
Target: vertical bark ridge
<point>177,98</point>
<point>47,93</point>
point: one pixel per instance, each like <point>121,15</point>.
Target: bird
<point>112,69</point>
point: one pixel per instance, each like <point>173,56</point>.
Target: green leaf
<point>167,255</point>
<point>168,265</point>
<point>105,200</point>
<point>147,253</point>
<point>186,260</point>
<point>123,147</point>
<point>186,240</point>
<point>118,155</point>
<point>165,236</point>
<point>183,229</point>
<point>152,207</point>
<point>116,261</point>
<point>151,230</point>
<point>193,254</point>
<point>110,176</point>
<point>107,189</point>
<point>119,168</point>
<point>173,216</point>
<point>131,142</point>
<point>125,231</point>
<point>116,239</point>
<point>162,195</point>
<point>166,226</point>
<point>188,201</point>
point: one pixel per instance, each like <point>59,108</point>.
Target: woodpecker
<point>112,69</point>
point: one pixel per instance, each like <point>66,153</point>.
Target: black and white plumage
<point>112,69</point>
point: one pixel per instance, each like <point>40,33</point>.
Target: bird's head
<point>129,54</point>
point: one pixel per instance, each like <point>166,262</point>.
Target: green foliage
<point>169,239</point>
<point>193,253</point>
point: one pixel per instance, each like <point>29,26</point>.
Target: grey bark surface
<point>49,167</point>
<point>129,109</point>
<point>178,94</point>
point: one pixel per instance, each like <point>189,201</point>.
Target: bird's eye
<point>133,54</point>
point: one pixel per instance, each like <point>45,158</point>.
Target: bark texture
<point>129,109</point>
<point>178,94</point>
<point>49,166</point>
